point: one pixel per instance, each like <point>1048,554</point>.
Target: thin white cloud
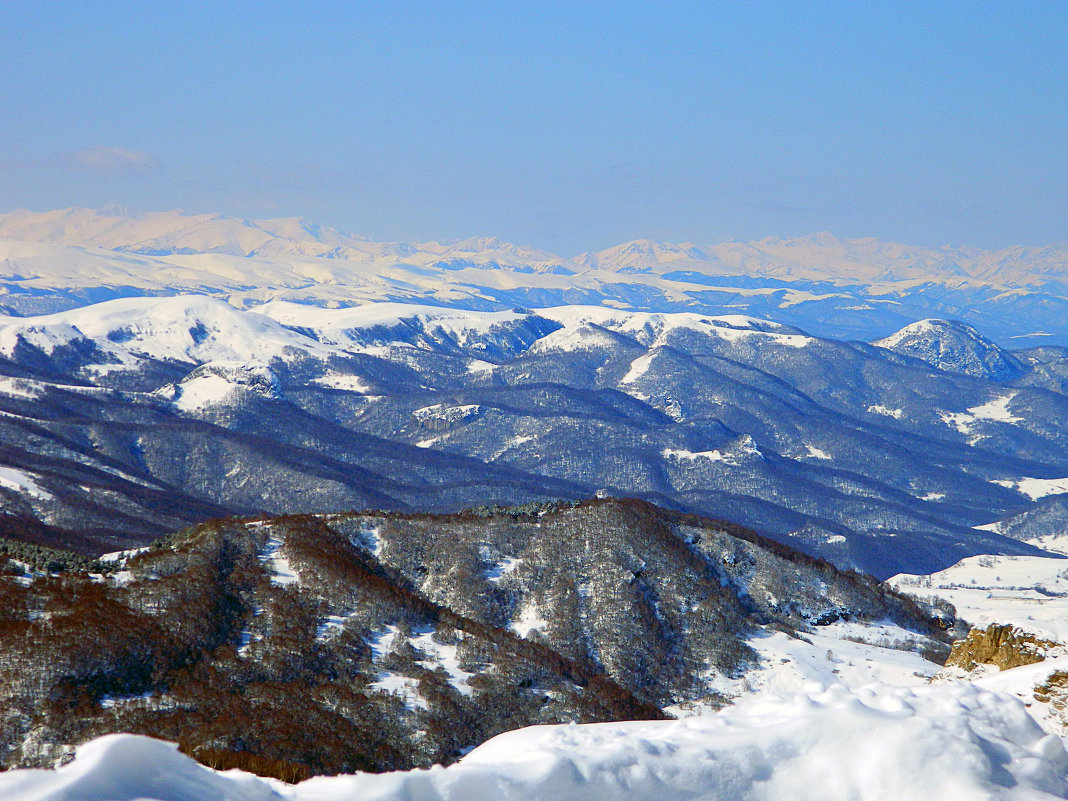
<point>103,160</point>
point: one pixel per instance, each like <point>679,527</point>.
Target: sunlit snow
<point>1028,591</point>
<point>942,742</point>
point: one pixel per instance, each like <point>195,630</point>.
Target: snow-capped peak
<point>955,347</point>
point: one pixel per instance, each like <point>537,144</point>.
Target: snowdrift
<point>954,741</point>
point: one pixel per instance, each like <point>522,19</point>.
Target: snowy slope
<point>943,742</point>
<point>188,328</point>
<point>837,447</point>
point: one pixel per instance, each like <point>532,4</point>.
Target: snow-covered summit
<point>816,257</point>
<point>844,288</point>
<point>187,328</point>
<point>954,347</point>
<point>645,256</point>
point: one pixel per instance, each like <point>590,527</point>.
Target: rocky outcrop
<point>1054,691</point>
<point>1003,645</point>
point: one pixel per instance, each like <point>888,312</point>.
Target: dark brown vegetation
<point>394,642</point>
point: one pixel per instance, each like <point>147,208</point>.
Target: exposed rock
<point>1004,646</point>
<point>1054,691</point>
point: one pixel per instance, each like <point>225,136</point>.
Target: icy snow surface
<point>947,742</point>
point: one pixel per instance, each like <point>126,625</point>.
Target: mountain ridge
<point>174,232</point>
<point>856,289</point>
<point>834,447</point>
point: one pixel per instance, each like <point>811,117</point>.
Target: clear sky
<point>568,126</point>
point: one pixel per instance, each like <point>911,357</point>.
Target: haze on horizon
<point>559,126</point>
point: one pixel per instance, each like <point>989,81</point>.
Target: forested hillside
<point>403,640</point>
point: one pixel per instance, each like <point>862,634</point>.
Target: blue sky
<point>570,126</point>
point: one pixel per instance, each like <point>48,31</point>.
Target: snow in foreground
<point>950,741</point>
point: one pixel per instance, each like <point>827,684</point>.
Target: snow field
<point>952,742</point>
<point>1035,488</point>
<point>1030,592</point>
<point>851,654</point>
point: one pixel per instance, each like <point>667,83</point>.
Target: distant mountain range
<point>853,289</point>
<point>125,419</point>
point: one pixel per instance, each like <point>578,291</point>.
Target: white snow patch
<point>331,626</point>
<point>479,366</point>
<point>20,387</point>
<point>499,571</point>
<point>21,481</point>
<point>445,414</point>
<point>282,572</point>
<point>404,686</point>
<point>122,556</point>
<point>897,414</point>
<point>203,391</point>
<point>347,383</point>
<point>110,702</point>
<point>816,453</point>
<point>996,410</point>
<point>369,537</point>
<point>529,620</point>
<point>438,655</point>
<point>638,368</point>
<point>740,448</point>
<point>712,456</point>
<point>383,643</point>
<point>1035,488</point>
<point>446,656</point>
